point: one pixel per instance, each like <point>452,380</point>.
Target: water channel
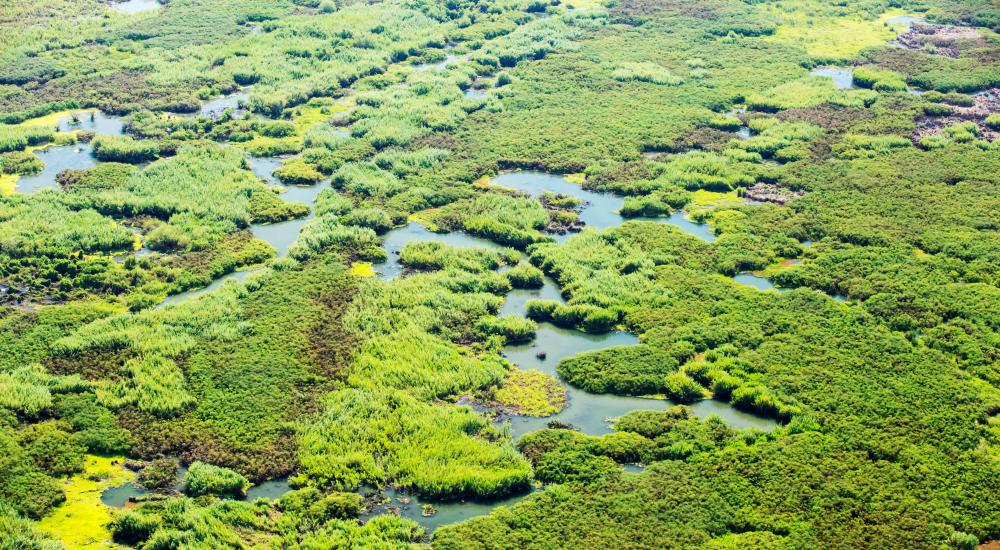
<point>843,77</point>
<point>136,6</point>
<point>589,413</point>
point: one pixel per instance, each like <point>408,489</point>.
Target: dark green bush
<point>124,149</point>
<point>525,275</point>
<point>205,479</point>
<point>631,370</point>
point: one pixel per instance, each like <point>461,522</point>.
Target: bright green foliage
<point>887,199</point>
<point>45,226</point>
<point>634,370</point>
<point>386,436</point>
<point>298,173</point>
<point>525,275</point>
<point>423,365</point>
<point>24,486</point>
<point>16,138</point>
<point>681,388</point>
<point>124,149</point>
<point>993,121</point>
<point>807,92</point>
<point>530,393</point>
<point>645,72</point>
<point>429,255</point>
<point>18,532</point>
<point>879,80</point>
<point>366,180</point>
<point>20,162</point>
<point>206,479</point>
<point>586,317</point>
<point>507,220</point>
<point>512,329</point>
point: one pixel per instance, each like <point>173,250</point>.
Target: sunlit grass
<point>8,182</point>
<point>703,200</point>
<point>80,521</point>
<point>362,269</point>
<point>829,37</point>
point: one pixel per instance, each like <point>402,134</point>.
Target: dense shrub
<point>297,172</point>
<point>124,149</point>
<point>632,370</point>
<point>525,275</point>
<point>681,388</point>
<point>16,138</point>
<point>513,329</point>
<point>205,479</point>
<point>158,474</point>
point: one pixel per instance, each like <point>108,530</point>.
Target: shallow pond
<point>94,121</point>
<point>516,299</point>
<point>475,93</point>
<point>600,210</point>
<point>756,281</point>
<point>448,60</point>
<point>843,77</point>
<point>118,497</point>
<point>136,6</point>
<point>904,21</point>
<point>701,230</point>
<point>57,158</point>
<point>272,489</point>
<point>215,107</point>
<point>448,512</point>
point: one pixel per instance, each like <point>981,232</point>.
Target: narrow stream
<point>280,235</point>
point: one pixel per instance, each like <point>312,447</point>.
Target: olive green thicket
<point>878,358</point>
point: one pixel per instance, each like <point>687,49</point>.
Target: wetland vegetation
<point>638,273</point>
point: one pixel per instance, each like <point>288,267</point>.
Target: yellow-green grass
<point>530,393</point>
<point>422,219</point>
<point>8,182</point>
<point>362,269</point>
<point>51,120</point>
<point>584,4</point>
<point>81,521</point>
<point>704,200</point>
<point>305,117</point>
<point>829,37</point>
